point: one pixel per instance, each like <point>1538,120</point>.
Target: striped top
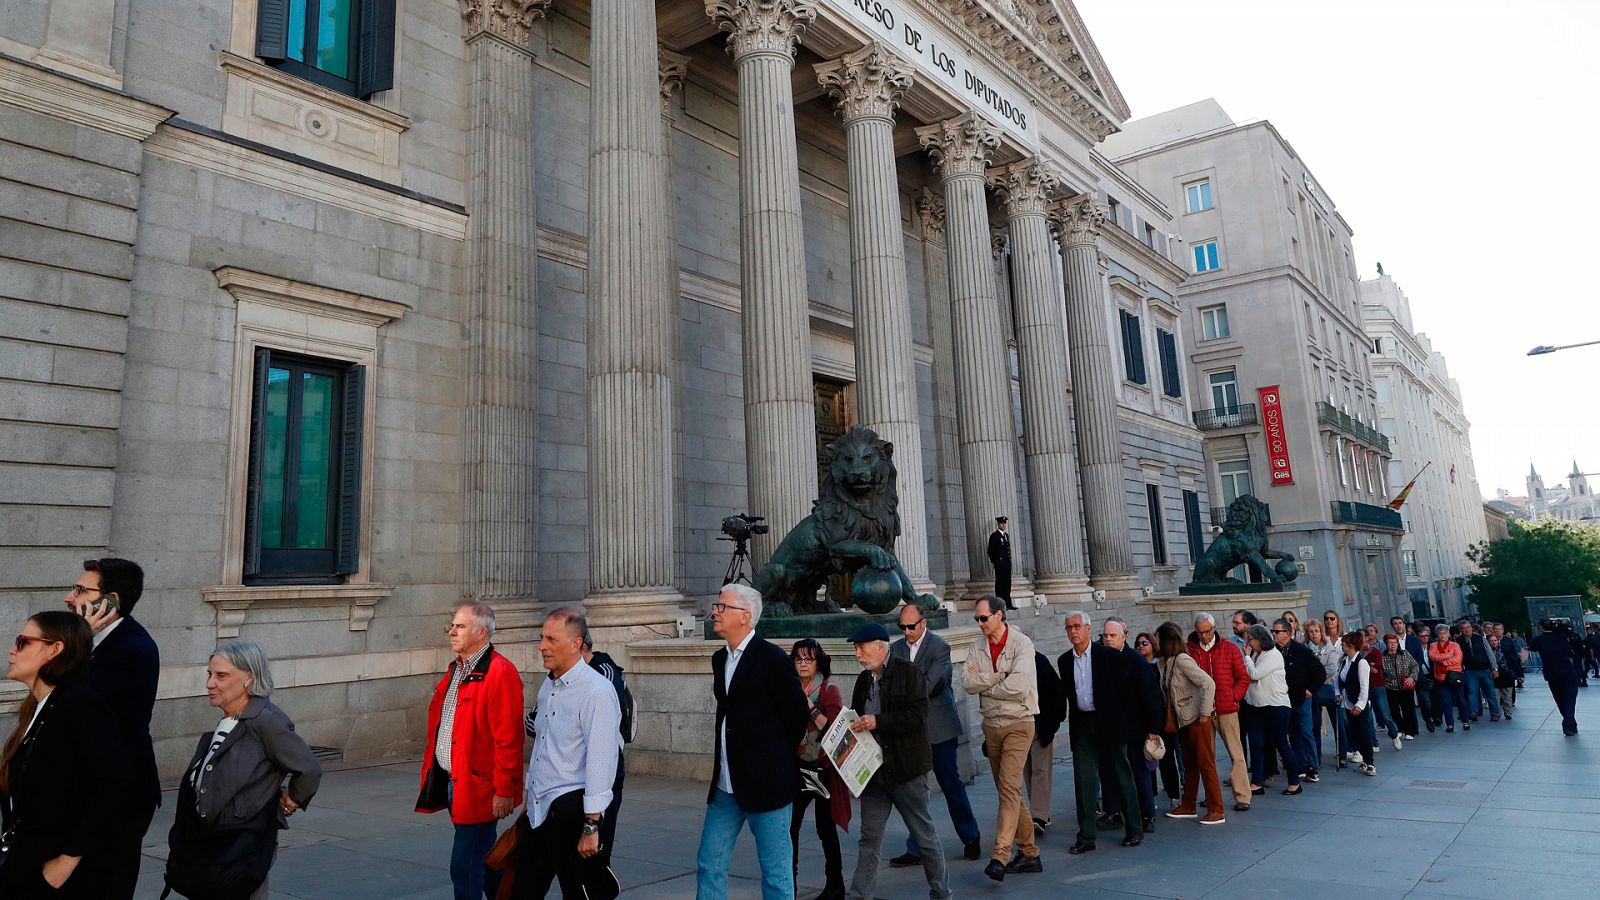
<point>576,747</point>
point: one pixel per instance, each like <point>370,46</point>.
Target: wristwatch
<point>591,826</point>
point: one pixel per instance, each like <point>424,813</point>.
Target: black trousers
<point>827,833</point>
<point>608,824</point>
<point>1002,581</point>
<point>123,854</point>
<point>550,852</point>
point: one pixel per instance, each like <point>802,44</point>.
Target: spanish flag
<point>1400,498</point>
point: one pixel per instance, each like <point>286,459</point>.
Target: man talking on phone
<point>123,670</point>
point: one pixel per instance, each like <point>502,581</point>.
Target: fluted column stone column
<point>1095,381</point>
<point>779,404</point>
<point>673,68</point>
<point>499,540</point>
<point>1055,513</point>
<point>632,564</point>
<point>868,85</point>
<point>948,516</point>
<point>960,148</point>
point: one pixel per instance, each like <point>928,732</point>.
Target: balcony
<point>1348,513</point>
<point>1329,415</point>
<point>1219,514</point>
<point>1236,416</point>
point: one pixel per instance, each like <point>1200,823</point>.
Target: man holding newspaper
<point>890,708</point>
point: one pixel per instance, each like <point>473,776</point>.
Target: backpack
<point>630,711</point>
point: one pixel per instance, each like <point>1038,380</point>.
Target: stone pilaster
<point>499,543</point>
<point>947,520</point>
<point>1096,378</point>
<point>673,69</point>
<point>867,85</point>
<point>779,409</point>
<point>1055,512</point>
<point>631,323</point>
<point>960,148</point>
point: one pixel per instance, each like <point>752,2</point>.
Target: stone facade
<point>593,308</point>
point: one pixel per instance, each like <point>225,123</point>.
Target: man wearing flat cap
<point>892,700</point>
<point>1000,558</point>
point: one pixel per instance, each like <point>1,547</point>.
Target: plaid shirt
<point>459,671</point>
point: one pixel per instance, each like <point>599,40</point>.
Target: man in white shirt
<point>573,765</point>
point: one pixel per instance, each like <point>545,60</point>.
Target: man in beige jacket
<point>1001,671</point>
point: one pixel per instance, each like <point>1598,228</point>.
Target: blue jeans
<point>1326,700</point>
<point>948,771</point>
<point>724,820</point>
<point>1481,685</point>
<point>467,872</point>
<point>1306,747</point>
<point>1380,709</point>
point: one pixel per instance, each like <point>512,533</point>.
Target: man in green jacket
<point>892,700</point>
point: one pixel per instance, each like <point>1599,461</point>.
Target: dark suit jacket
<point>999,549</point>
<point>1123,696</point>
<point>933,660</point>
<point>765,711</point>
<point>1414,647</point>
<point>1303,672</point>
<point>69,781</point>
<point>123,671</point>
<point>1052,701</point>
<point>902,728</point>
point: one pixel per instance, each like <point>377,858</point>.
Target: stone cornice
<point>931,211</point>
<point>1079,220</point>
<point>319,300</point>
<point>672,68</point>
<point>510,20</point>
<point>1024,187</point>
<point>960,146</point>
<point>49,93</point>
<point>762,26</point>
<point>867,83</point>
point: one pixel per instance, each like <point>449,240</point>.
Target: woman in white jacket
<point>1268,697</point>
<point>1354,695</point>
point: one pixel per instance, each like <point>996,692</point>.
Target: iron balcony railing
<point>1236,416</point>
<point>1350,513</point>
<point>1330,415</point>
<point>1219,514</point>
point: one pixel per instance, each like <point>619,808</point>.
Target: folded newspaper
<point>855,754</point>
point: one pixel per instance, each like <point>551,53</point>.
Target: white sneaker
<point>1374,748</point>
<point>1369,770</point>
<point>1411,737</point>
<point>1398,743</point>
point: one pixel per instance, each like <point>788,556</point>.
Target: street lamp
<point>1546,348</point>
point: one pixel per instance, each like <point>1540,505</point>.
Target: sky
<point>1460,140</point>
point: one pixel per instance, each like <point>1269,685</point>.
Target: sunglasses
<point>913,625</point>
<point>1279,631</point>
<point>23,640</point>
<point>1144,644</point>
<point>979,619</point>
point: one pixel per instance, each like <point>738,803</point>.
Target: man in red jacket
<point>1225,664</point>
<point>474,762</point>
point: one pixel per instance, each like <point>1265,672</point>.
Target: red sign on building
<point>1277,436</point>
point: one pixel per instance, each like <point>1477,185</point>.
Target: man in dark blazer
<point>123,671</point>
<point>1000,558</point>
<point>761,716</point>
<point>931,654</point>
<point>1039,773</point>
<point>891,700</point>
<point>1413,646</point>
<point>1101,697</point>
<point>1145,714</point>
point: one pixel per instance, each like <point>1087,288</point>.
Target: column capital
<point>1024,187</point>
<point>1078,220</point>
<point>866,83</point>
<point>960,146</point>
<point>769,27</point>
<point>999,241</point>
<point>930,209</point>
<point>510,20</point>
<point>672,68</point>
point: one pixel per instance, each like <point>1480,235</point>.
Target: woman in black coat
<point>64,773</point>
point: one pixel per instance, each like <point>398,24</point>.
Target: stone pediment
<point>1047,42</point>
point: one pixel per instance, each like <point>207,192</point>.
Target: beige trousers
<point>1008,756</point>
<point>1040,779</point>
<point>1238,775</point>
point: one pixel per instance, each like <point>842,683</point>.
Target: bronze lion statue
<point>1243,542</point>
<point>853,524</point>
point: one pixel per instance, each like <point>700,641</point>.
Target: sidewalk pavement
<point>1509,809</point>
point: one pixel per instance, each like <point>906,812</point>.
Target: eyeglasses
<point>1330,618</point>
<point>805,659</point>
<point>979,619</point>
<point>1280,631</point>
<point>78,590</point>
<point>23,640</point>
<point>1144,644</point>
<point>720,608</point>
<point>912,626</point>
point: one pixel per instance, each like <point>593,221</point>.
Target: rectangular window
<point>1355,466</point>
<point>1205,257</point>
<point>1224,391</point>
<point>302,506</point>
<point>1408,561</point>
<point>1191,524</point>
<point>1233,478</point>
<point>1152,237</point>
<point>1344,471</point>
<point>1167,347</point>
<point>1114,216</point>
<point>1158,530</point>
<point>1198,195</point>
<point>346,45</point>
<point>1214,322</point>
<point>1380,385</point>
<point>1377,345</point>
<point>1132,347</point>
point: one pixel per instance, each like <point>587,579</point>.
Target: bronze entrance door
<point>834,417</point>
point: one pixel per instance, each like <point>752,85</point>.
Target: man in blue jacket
<point>1555,648</point>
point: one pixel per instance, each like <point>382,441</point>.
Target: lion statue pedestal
<point>1243,542</point>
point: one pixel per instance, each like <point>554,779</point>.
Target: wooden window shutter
<point>375,48</point>
<point>252,490</point>
<point>272,29</point>
<point>352,416</point>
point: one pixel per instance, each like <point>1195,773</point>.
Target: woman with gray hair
<point>1268,697</point>
<point>232,799</point>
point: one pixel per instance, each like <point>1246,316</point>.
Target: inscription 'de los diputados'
<point>934,54</point>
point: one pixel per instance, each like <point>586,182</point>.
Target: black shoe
<point>1024,865</point>
<point>1258,791</point>
<point>905,861</point>
<point>1133,840</point>
<point>1466,726</point>
<point>832,892</point>
<point>1109,820</point>
<point>972,850</point>
<point>996,870</point>
<point>1241,806</point>
<point>1430,728</point>
<point>1293,792</point>
<point>1313,776</point>
<point>1449,729</point>
<point>1080,847</point>
<point>1149,825</point>
<point>1040,824</point>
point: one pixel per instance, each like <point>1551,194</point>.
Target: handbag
<point>1452,678</point>
<point>1154,748</point>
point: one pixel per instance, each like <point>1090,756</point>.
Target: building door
<point>834,417</point>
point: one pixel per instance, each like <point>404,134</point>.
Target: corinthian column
<point>500,516</point>
<point>779,409</point>
<point>1094,396</point>
<point>1042,357</point>
<point>949,529</point>
<point>867,85</point>
<point>632,312</point>
<point>960,148</point>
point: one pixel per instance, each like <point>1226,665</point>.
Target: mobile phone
<point>99,606</point>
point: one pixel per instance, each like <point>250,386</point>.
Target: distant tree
<point>1548,557</point>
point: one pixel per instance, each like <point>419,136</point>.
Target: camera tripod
<point>741,555</point>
